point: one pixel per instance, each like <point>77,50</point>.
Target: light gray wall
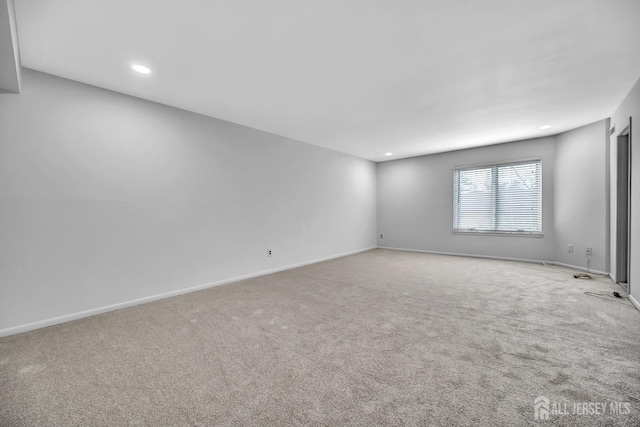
<point>415,203</point>
<point>580,196</point>
<point>9,52</point>
<point>415,200</point>
<point>106,198</point>
<point>630,107</point>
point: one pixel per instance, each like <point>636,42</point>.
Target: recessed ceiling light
<point>141,69</point>
<point>388,154</point>
<point>545,127</point>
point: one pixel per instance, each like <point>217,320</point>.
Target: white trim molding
<point>94,311</point>
<point>634,301</point>
<point>575,267</point>
<point>464,255</point>
<point>533,261</point>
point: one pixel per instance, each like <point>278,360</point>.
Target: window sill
<point>499,233</point>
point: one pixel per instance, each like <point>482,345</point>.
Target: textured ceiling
<point>363,77</point>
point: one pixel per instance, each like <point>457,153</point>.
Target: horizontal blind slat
<point>499,198</point>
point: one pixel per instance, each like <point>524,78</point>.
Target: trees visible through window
<point>501,198</point>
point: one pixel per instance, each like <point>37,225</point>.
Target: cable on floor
<point>608,297</point>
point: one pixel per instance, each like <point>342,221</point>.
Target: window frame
<point>487,165</point>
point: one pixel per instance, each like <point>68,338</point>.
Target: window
<point>501,198</point>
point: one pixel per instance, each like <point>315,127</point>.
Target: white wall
<point>106,198</point>
<point>580,196</point>
<point>415,200</point>
<point>415,203</point>
<point>630,107</point>
<point>9,50</point>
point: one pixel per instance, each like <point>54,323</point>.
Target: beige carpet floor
<point>379,338</point>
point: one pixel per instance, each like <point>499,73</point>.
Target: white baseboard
<point>634,301</point>
<point>534,261</point>
<point>575,267</point>
<point>92,312</point>
<point>464,255</point>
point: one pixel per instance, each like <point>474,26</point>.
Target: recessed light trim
<point>141,69</point>
<point>544,127</point>
<point>388,154</point>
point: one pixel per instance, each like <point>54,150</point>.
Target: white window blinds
<point>498,198</point>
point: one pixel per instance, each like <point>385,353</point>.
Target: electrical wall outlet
<point>570,248</point>
<point>589,251</point>
<point>268,252</point>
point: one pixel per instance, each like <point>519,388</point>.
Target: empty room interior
<point>302,212</point>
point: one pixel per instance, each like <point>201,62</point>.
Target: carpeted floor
<point>378,338</point>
